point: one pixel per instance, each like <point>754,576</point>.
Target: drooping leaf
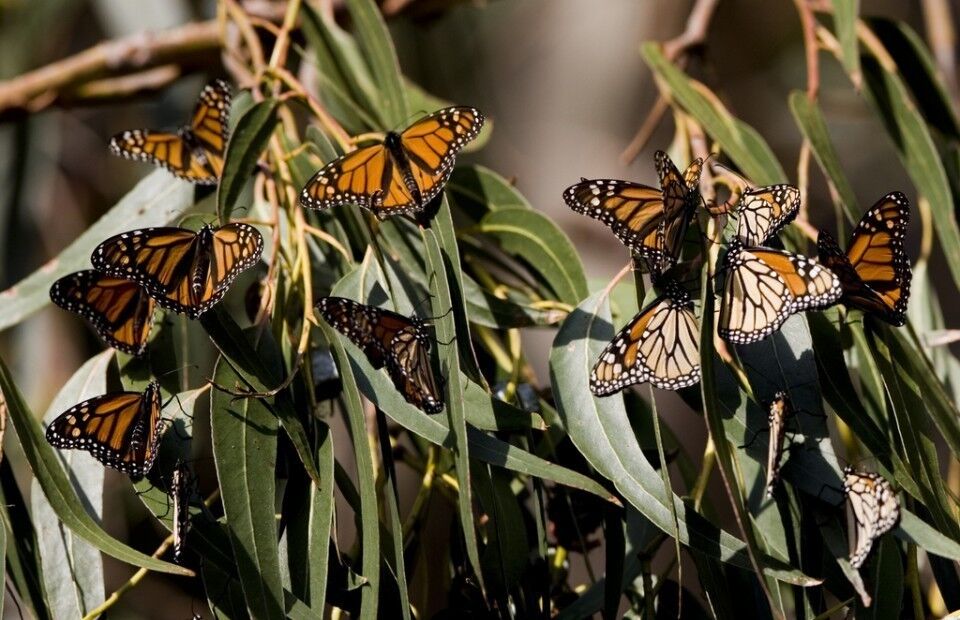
<point>155,201</point>
<point>244,434</point>
<point>57,488</point>
<point>247,142</point>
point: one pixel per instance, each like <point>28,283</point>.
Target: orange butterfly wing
<point>185,271</point>
<point>875,270</point>
<point>120,310</point>
<point>120,430</point>
<point>196,152</point>
<point>660,345</point>
<point>382,178</point>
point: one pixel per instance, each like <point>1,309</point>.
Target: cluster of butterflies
<point>762,286</point>
<point>182,270</point>
<point>876,509</point>
<point>188,272</point>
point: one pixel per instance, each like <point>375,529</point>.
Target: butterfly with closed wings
<point>763,287</point>
<point>121,430</point>
<point>780,409</point>
<point>391,340</point>
<point>660,345</point>
<point>120,310</point>
<point>401,174</point>
<point>874,271</point>
<point>185,271</point>
<point>876,510</point>
<point>650,222</point>
<point>196,151</point>
<point>763,211</point>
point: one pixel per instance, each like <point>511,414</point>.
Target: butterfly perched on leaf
<point>182,488</point>
<point>763,211</point>
<point>391,340</point>
<point>876,510</point>
<point>660,345</point>
<point>196,151</point>
<point>780,410</point>
<point>400,175</point>
<point>121,430</point>
<point>649,221</point>
<point>874,271</point>
<point>120,310</point>
<point>763,287</point>
<point>185,271</point>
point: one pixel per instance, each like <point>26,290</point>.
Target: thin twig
<point>943,42</point>
<point>809,24</point>
<point>37,89</point>
<point>694,34</point>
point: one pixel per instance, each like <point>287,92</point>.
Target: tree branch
<point>135,54</point>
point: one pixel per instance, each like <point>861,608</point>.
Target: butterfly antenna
<point>241,394</point>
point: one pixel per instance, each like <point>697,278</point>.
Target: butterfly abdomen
<point>394,145</point>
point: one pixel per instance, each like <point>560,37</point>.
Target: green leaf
<point>73,569</point>
<point>535,238</point>
<point>247,143</point>
<point>348,89</point>
<point>914,529</point>
<point>449,353</point>
<point>396,562</point>
<point>58,490</point>
<point>155,201</point>
<point>601,430</point>
<point>845,24</point>
<point>744,145</point>
<point>377,47</point>
<point>366,478</point>
<point>477,190</point>
<point>885,576</point>
<point>918,153</point>
<point>244,435</point>
<point>915,63</point>
<point>322,506</point>
<point>238,351</point>
<point>810,119</point>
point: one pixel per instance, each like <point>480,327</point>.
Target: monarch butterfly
<point>401,174</point>
<point>876,510</point>
<point>763,211</point>
<point>763,287</point>
<point>780,410</point>
<point>120,310</point>
<point>661,345</point>
<point>121,430</point>
<point>181,489</point>
<point>874,271</point>
<point>392,340</point>
<point>185,271</point>
<point>651,222</point>
<point>196,151</point>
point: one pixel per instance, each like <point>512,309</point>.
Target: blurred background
<point>562,80</point>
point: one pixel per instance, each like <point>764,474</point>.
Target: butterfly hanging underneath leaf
<point>650,222</point>
<point>660,345</point>
<point>185,271</point>
<point>874,271</point>
<point>196,151</point>
<point>391,340</point>
<point>121,429</point>
<point>780,410</point>
<point>182,488</point>
<point>120,310</point>
<point>400,175</point>
<point>876,510</point>
<point>764,287</point>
